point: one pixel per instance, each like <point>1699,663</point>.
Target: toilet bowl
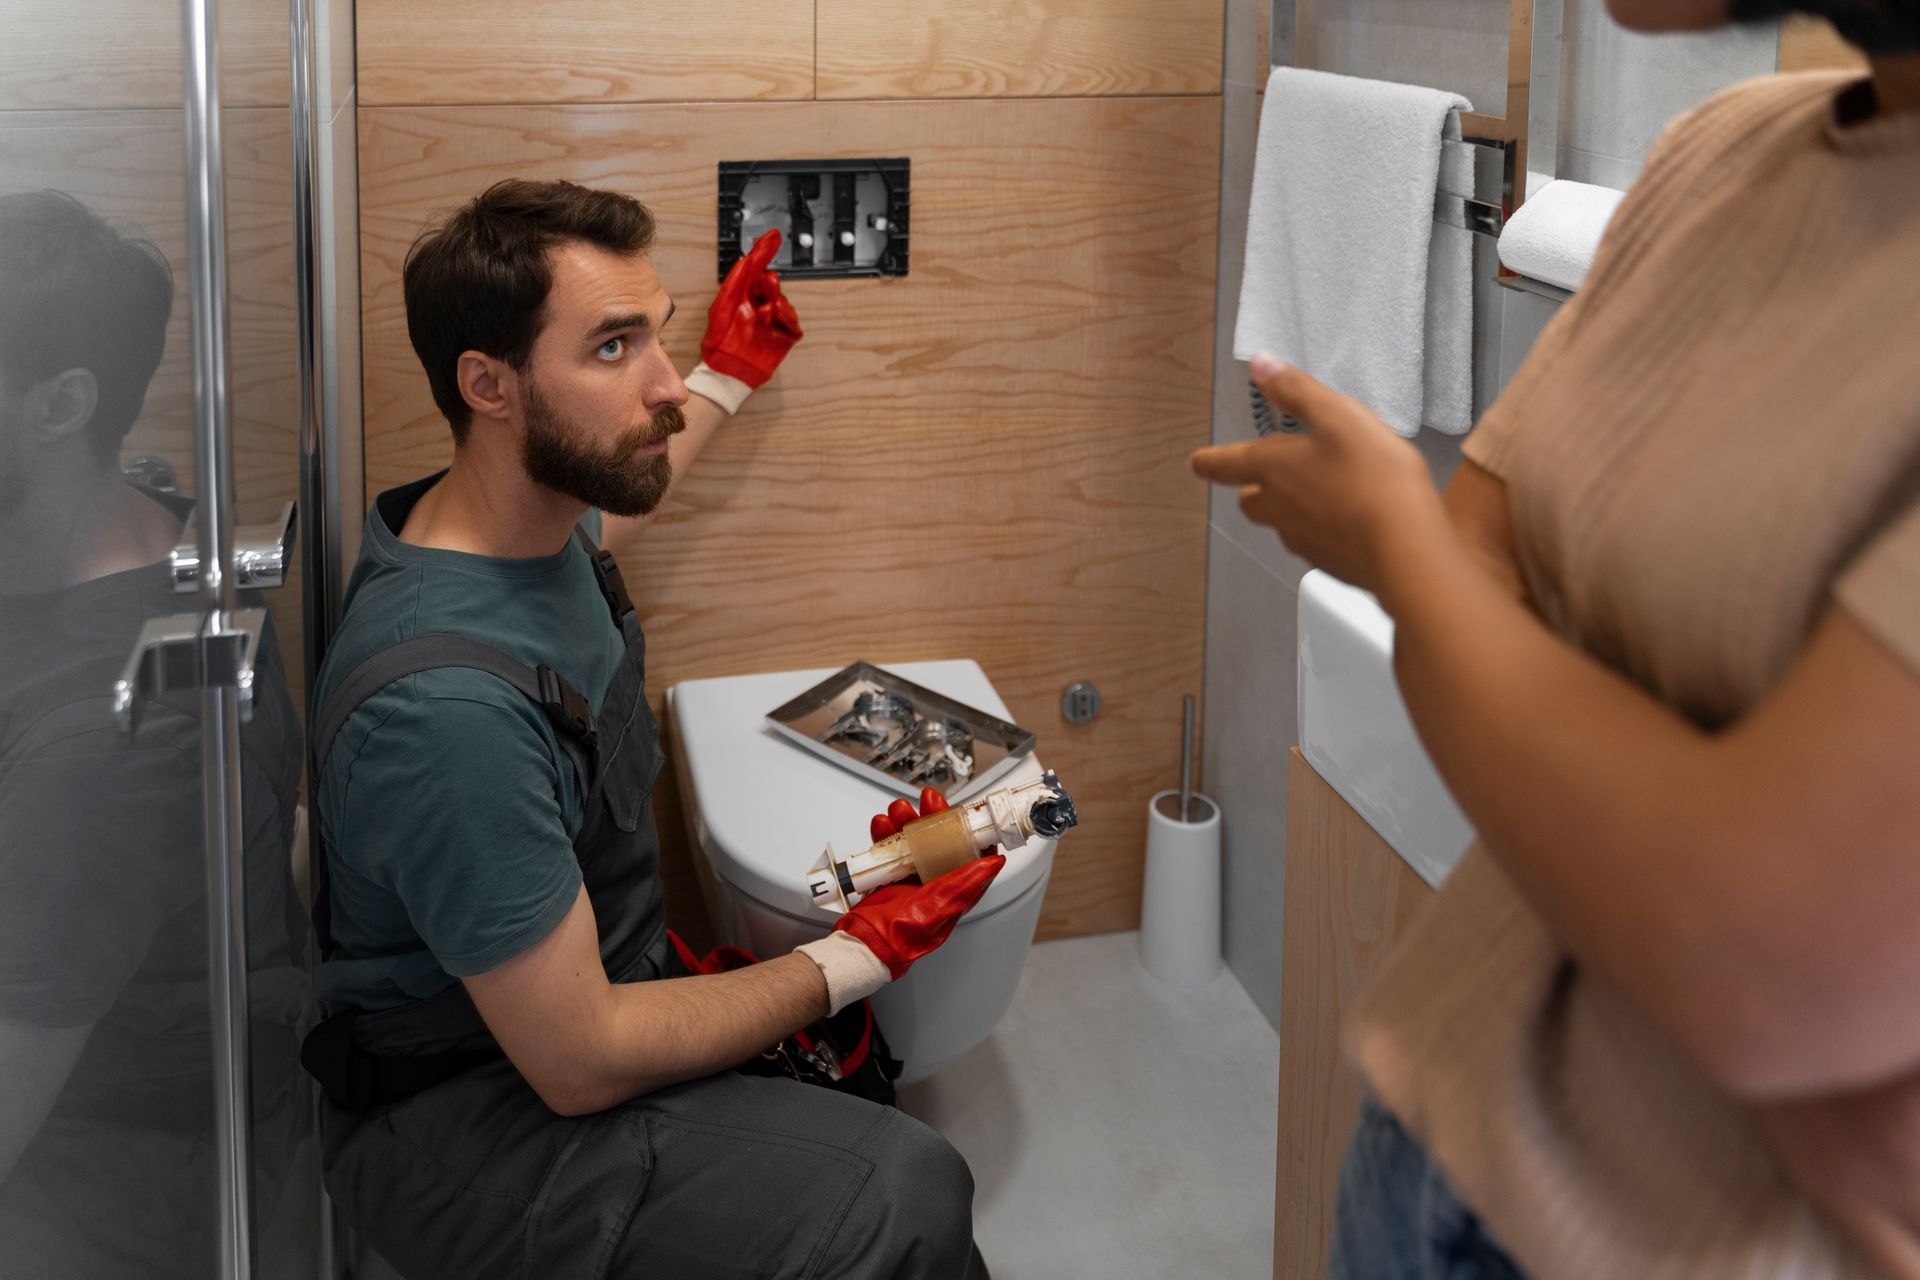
<point>759,809</point>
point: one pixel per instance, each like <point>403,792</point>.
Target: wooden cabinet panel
<point>985,458</point>
<point>101,54</point>
<point>498,51</point>
<point>1034,48</point>
<point>1349,898</point>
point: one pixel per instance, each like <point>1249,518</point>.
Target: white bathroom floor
<point>1117,1127</point>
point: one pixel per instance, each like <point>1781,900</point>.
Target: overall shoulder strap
<point>564,705</point>
<point>606,571</point>
<point>571,714</point>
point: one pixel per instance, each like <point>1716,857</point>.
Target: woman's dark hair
<point>77,294</point>
<point>1877,26</point>
<point>479,280</point>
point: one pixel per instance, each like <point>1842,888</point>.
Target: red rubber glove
<point>751,326</point>
<point>899,923</point>
<point>901,812</point>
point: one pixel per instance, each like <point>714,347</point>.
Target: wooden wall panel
<point>938,49</point>
<point>1810,44</point>
<point>416,52</point>
<point>984,459</point>
<point>106,54</point>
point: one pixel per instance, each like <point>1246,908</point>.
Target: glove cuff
<point>727,392</point>
<point>852,972</point>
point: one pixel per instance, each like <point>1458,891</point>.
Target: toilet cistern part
<point>950,838</point>
<point>933,751</point>
<point>877,719</point>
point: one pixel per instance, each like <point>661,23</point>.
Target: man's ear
<point>60,407</point>
<point>489,385</point>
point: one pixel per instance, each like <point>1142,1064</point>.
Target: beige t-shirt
<point>1714,442</point>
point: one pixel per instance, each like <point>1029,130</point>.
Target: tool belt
<point>361,1079</point>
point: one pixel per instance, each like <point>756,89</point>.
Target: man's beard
<point>622,481</point>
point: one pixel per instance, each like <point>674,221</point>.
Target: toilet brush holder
<point>1180,901</point>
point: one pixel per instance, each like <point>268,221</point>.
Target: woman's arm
<point>1753,890</point>
<point>1475,501</point>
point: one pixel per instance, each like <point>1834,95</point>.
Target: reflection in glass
<point>106,1153</point>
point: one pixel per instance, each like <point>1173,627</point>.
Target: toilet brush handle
<point>1186,760</point>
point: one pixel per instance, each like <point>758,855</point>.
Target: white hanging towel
<point>1554,235</point>
<point>1348,275</point>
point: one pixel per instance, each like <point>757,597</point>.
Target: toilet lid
<point>764,807</point>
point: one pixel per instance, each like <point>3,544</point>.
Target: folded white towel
<point>1347,275</point>
<point>1554,235</point>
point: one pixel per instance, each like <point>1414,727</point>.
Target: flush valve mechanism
<point>944,840</point>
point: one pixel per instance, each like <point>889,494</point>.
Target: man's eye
<point>612,347</point>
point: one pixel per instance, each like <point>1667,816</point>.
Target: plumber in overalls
<point>521,1079</point>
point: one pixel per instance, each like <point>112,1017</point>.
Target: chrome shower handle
<point>261,553</point>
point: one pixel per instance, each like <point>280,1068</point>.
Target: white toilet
<point>759,810</point>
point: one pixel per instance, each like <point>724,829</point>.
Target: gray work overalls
<point>451,1166</point>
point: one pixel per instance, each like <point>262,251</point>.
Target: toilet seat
<point>763,807</point>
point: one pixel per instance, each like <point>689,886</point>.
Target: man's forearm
<point>656,1034</point>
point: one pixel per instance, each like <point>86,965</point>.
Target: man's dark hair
<point>77,294</point>
<point>479,280</point>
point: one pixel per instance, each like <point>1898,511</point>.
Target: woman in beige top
<point>1661,635</point>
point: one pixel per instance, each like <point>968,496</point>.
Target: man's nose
<point>668,389</point>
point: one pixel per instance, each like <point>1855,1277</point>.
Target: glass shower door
<point>155,1120</point>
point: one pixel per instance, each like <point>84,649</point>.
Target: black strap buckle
<point>612,585</point>
<point>564,704</point>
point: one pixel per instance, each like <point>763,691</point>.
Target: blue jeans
<point>1398,1220</point>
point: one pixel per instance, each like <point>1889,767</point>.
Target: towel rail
<point>1526,137</point>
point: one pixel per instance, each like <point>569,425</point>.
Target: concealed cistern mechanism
<point>802,190</point>
<point>878,719</point>
<point>836,217</point>
<point>933,752</point>
<point>950,838</point>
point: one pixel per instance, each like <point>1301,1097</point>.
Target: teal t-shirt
<point>447,801</point>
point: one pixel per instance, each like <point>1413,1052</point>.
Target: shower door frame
<point>224,695</point>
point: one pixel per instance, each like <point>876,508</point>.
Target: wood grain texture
<point>1349,898</point>
<point>127,166</point>
<point>416,52</point>
<point>109,54</point>
<point>1025,48</point>
<point>1811,44</point>
<point>986,458</point>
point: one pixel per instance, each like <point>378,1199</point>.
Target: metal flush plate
<point>835,217</point>
<point>998,745</point>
